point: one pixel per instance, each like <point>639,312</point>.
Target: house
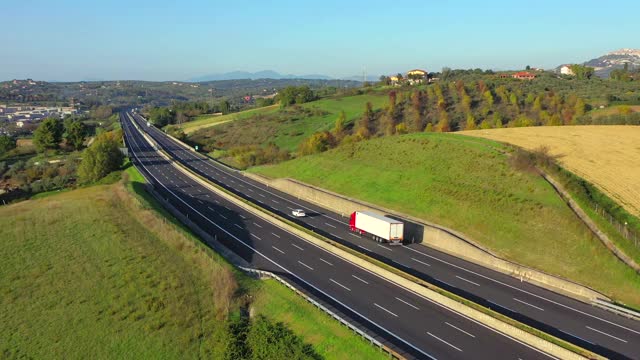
<point>394,80</point>
<point>417,76</point>
<point>566,70</point>
<point>524,75</point>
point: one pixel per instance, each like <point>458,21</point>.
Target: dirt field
<point>607,156</point>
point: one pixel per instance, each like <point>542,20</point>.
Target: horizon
<point>162,41</point>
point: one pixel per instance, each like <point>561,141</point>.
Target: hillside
<point>468,185</point>
<point>603,65</point>
<point>95,273</point>
<point>607,156</point>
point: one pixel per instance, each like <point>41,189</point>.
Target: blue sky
<point>178,40</point>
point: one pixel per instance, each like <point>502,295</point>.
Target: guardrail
<point>616,309</point>
<point>318,305</point>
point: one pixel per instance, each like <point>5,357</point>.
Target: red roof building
<point>524,75</point>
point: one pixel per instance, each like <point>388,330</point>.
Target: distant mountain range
<point>614,60</point>
<point>270,74</point>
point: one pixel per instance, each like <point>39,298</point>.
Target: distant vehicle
<point>148,123</point>
<point>298,213</point>
<point>380,228</point>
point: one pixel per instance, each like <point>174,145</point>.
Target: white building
<point>566,70</point>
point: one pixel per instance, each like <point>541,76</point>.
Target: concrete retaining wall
<point>433,235</point>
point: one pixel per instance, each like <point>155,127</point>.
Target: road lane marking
<point>406,303</point>
<point>385,309</point>
<point>305,265</point>
<point>335,282</point>
<point>326,262</point>
<point>384,247</point>
<point>275,201</point>
<point>257,225</point>
<point>277,249</point>
<point>209,207</point>
<point>455,347</point>
<point>469,281</point>
<point>335,236</point>
<point>276,235</point>
<point>526,303</point>
<point>255,236</point>
<point>222,216</point>
<point>352,234</point>
<point>330,225</point>
<point>238,226</point>
<point>421,262</point>
<point>296,246</point>
<point>462,331</point>
<point>364,248</point>
<point>289,207</point>
<point>200,201</point>
<point>523,291</point>
<point>262,195</point>
<point>250,189</point>
<point>609,335</point>
<point>360,279</point>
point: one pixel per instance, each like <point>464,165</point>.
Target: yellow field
<point>607,156</point>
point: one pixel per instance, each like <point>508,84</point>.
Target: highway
<point>593,328</point>
<point>407,321</point>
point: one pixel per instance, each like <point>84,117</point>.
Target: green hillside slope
<point>468,185</point>
<point>96,273</point>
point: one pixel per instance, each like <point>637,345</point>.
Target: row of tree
<point>451,107</point>
<point>52,131</point>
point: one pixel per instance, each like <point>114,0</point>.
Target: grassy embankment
<point>96,272</point>
<point>286,128</point>
<point>466,184</point>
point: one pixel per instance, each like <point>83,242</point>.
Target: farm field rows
<point>607,156</point>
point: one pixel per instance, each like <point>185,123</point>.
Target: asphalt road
<point>409,322</point>
<point>593,328</point>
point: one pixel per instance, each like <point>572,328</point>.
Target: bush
<point>6,143</point>
<point>101,158</point>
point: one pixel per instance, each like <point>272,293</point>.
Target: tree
<point>338,129</point>
<point>6,143</point>
<point>101,112</point>
<point>316,143</point>
<point>497,119</point>
<point>471,122</point>
<point>48,135</point>
<point>101,158</point>
<point>582,72</point>
<point>295,95</point>
<point>443,124</point>
<point>429,128</point>
<point>528,68</point>
<point>74,133</point>
<point>364,125</point>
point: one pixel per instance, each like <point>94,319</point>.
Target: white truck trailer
<point>380,228</point>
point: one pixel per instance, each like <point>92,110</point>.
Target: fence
<point>622,228</point>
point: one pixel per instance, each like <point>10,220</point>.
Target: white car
<point>298,213</point>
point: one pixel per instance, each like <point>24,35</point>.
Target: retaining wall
<point>433,235</point>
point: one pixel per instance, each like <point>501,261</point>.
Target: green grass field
<point>97,273</point>
<point>286,128</point>
<point>205,121</point>
<point>468,185</point>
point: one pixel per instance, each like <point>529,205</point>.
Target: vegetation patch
<point>469,185</point>
<point>95,272</point>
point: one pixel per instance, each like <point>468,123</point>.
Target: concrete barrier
<point>433,235</point>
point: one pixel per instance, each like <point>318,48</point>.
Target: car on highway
<point>298,213</point>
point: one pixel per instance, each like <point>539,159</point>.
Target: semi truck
<point>380,228</point>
